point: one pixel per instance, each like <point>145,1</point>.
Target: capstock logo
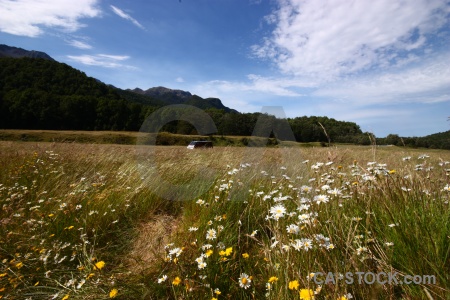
<point>272,120</point>
<point>383,278</point>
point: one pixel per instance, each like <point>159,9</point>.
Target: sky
<point>383,64</point>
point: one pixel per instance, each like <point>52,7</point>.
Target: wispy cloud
<point>427,82</point>
<point>102,60</point>
<point>79,44</point>
<point>126,16</point>
<point>31,18</point>
<point>260,84</point>
<point>329,39</point>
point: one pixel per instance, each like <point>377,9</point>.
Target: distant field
<point>101,221</point>
<point>121,137</point>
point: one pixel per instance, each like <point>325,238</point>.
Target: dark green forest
<point>44,94</point>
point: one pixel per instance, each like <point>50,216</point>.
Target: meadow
<point>92,221</point>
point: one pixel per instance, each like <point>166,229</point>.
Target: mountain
<point>8,51</point>
<point>170,96</point>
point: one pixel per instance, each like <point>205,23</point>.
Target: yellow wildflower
<point>113,293</point>
<point>293,285</point>
<point>19,265</point>
<point>227,252</point>
<point>245,255</point>
<point>306,294</point>
<point>209,252</point>
<point>3,275</point>
<point>99,265</point>
<point>273,279</point>
<point>65,297</point>
<point>176,281</point>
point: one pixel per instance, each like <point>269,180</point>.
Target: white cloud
<point>31,17</point>
<point>179,79</point>
<point>329,39</point>
<point>102,60</point>
<point>258,84</point>
<point>427,82</point>
<point>79,44</point>
<point>126,16</point>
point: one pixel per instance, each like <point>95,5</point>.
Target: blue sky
<point>383,64</point>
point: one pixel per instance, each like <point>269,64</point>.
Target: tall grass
<point>101,221</point>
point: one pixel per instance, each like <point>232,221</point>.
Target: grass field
<point>124,137</point>
<point>93,221</point>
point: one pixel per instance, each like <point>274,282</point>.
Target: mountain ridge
<point>15,52</point>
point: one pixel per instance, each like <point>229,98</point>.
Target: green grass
<point>67,206</point>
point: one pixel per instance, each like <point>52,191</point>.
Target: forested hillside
<point>44,94</point>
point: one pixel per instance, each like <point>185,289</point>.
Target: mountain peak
<point>14,52</point>
<point>168,94</point>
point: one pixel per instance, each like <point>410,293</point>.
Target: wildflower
<point>99,265</point>
<point>335,192</point>
<point>217,291</point>
<point>227,252</point>
<point>113,293</point>
<point>360,250</point>
<point>162,279</point>
<point>273,279</point>
<point>65,297</point>
<point>254,232</point>
<point>277,211</point>
<point>245,255</point>
<point>293,285</point>
<point>305,189</point>
<point>176,281</point>
<point>90,275</point>
<point>208,253</point>
<point>211,234</point>
<point>19,265</point>
<point>307,244</point>
<point>81,283</point>
<point>321,199</point>
<point>306,294</point>
<point>176,251</point>
<point>325,187</point>
<point>293,229</point>
<point>244,281</point>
